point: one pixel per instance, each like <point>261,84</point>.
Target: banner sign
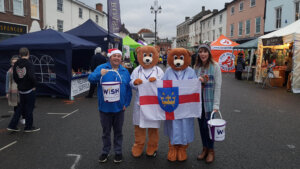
<point>272,41</point>
<point>79,86</point>
<point>9,28</point>
<point>114,19</point>
<point>221,47</point>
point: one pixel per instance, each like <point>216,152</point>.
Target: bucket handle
<point>213,112</point>
<point>111,70</point>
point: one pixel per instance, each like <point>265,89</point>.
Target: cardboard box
<point>277,82</point>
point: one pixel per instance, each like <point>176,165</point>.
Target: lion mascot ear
<point>137,49</point>
<point>157,48</point>
<point>168,51</point>
<point>189,52</point>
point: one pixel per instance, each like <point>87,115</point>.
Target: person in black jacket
<point>97,60</point>
<point>24,76</point>
<point>240,66</point>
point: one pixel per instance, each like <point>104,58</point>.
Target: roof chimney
<point>187,17</point>
<point>215,11</point>
<point>99,7</point>
<point>203,8</point>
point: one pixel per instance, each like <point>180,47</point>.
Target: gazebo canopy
<point>130,42</point>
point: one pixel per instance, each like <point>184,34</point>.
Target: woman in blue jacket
<point>112,113</point>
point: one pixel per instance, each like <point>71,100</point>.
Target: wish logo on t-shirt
<point>21,72</point>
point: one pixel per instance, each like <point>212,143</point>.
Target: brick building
<point>19,17</point>
<point>245,19</point>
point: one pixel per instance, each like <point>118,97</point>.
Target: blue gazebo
<point>53,54</point>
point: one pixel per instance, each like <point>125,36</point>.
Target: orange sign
<point>221,50</point>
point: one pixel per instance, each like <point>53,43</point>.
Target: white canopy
<point>289,33</point>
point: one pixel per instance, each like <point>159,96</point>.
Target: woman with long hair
<point>209,74</point>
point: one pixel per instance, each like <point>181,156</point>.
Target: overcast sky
<point>136,14</point>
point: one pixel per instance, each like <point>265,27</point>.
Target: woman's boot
<point>203,154</point>
<point>210,156</point>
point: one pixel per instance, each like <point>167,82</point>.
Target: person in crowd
<point>194,55</point>
<point>289,67</point>
<point>240,66</point>
<point>165,58</point>
<point>24,76</point>
<point>209,74</point>
<point>11,89</point>
<point>97,60</point>
<point>112,113</point>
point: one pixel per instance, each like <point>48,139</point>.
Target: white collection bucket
<point>216,128</point>
<point>111,90</point>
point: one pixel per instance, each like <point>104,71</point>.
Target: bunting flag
<point>170,99</point>
<point>114,18</point>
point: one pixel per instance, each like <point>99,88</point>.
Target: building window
<point>214,21</point>
<point>60,25</point>
<point>18,7</point>
<point>220,31</point>
<point>247,27</point>
<point>240,28</point>
<point>80,12</point>
<point>208,23</point>
<point>97,19</point>
<point>252,3</point>
<point>203,25</point>
<point>297,15</point>
<point>241,6</point>
<point>278,17</point>
<point>2,6</point>
<point>220,19</point>
<point>35,9</point>
<point>257,25</point>
<point>231,30</point>
<point>232,10</point>
<point>60,5</point>
<point>213,34</point>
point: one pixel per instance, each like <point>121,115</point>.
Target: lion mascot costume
<point>179,131</point>
<point>147,57</point>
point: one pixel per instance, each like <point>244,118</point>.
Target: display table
<point>79,84</point>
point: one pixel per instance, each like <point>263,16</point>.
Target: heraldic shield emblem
<point>168,98</point>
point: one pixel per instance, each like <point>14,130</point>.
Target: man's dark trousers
<point>27,103</point>
<point>115,121</point>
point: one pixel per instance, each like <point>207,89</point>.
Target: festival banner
<point>170,99</point>
<point>114,18</point>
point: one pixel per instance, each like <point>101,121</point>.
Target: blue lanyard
<point>177,75</point>
<point>147,77</point>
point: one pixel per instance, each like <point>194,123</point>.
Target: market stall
<point>249,49</point>
<point>91,31</point>
<point>129,46</point>
<point>54,55</point>
<point>277,47</point>
<point>222,52</point>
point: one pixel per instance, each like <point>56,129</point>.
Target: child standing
<point>12,91</point>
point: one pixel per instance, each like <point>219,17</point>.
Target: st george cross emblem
<point>168,98</point>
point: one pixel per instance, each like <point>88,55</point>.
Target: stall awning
<point>252,44</point>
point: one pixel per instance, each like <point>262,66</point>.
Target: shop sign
<point>8,28</point>
<point>272,41</point>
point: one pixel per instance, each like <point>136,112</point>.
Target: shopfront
<point>9,30</point>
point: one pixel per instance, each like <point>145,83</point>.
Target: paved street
<point>263,131</point>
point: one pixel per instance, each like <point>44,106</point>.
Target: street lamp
<point>155,9</point>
